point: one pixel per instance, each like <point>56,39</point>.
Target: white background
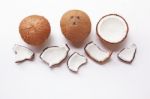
<point>113,80</point>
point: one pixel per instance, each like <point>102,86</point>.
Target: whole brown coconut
<point>34,29</point>
<point>76,26</point>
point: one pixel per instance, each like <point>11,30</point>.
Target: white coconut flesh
<point>54,55</point>
<point>128,54</point>
<point>75,61</point>
<point>112,28</point>
<point>22,53</point>
<point>96,53</point>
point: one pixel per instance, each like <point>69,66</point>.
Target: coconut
<point>34,29</point>
<point>127,54</point>
<point>96,53</point>
<point>75,26</point>
<point>22,53</point>
<point>54,55</point>
<point>75,61</point>
<point>112,28</point>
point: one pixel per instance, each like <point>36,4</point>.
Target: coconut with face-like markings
<point>76,26</point>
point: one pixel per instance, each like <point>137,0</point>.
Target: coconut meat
<point>54,55</point>
<point>96,53</point>
<point>112,28</point>
<point>75,61</point>
<point>22,53</point>
<point>127,54</point>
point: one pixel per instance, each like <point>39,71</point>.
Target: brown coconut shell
<point>76,26</point>
<point>34,29</point>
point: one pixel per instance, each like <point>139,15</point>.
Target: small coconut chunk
<point>54,55</point>
<point>97,54</point>
<point>112,28</point>
<point>128,54</point>
<point>75,61</point>
<point>22,53</point>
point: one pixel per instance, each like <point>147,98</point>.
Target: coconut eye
<point>74,23</point>
<point>71,17</point>
<point>78,17</point>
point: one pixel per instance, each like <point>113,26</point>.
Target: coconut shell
<point>34,29</point>
<point>75,25</point>
<point>117,15</point>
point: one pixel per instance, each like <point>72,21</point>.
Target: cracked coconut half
<point>112,28</point>
<point>127,54</point>
<point>54,55</point>
<point>22,53</point>
<point>76,61</point>
<point>97,54</point>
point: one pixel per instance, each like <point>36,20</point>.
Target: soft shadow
<point>113,47</point>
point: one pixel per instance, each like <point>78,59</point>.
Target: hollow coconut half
<point>22,53</point>
<point>96,53</point>
<point>54,55</point>
<point>75,61</point>
<point>112,28</point>
<point>127,54</point>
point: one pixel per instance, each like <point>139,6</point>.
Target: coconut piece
<point>97,54</point>
<point>75,61</point>
<point>54,55</point>
<point>112,28</point>
<point>128,54</point>
<point>34,29</point>
<point>75,26</point>
<point>22,53</point>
